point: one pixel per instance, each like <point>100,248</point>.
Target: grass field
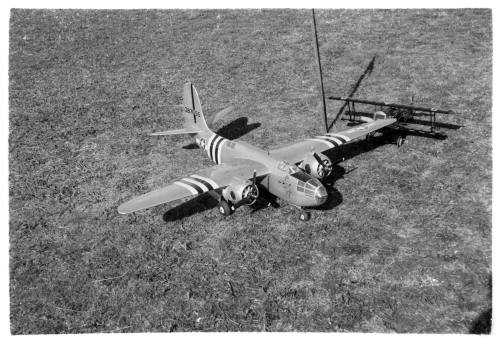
<point>404,245</point>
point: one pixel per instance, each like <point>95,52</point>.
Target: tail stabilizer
<point>192,111</point>
<point>177,131</point>
<point>221,115</point>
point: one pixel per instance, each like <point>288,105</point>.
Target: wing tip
<point>124,209</point>
<point>121,211</point>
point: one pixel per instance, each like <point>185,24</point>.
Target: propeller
<point>253,192</point>
<point>326,166</point>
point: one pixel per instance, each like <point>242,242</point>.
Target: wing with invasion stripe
<point>213,178</point>
<point>296,152</point>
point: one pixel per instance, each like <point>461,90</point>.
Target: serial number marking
<point>194,112</point>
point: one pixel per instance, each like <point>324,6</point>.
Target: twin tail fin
<point>194,120</point>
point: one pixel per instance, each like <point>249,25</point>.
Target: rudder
<point>192,111</point>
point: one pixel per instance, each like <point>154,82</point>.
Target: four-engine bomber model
<point>292,173</point>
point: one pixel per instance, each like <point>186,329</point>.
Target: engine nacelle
<point>241,191</point>
<point>311,166</point>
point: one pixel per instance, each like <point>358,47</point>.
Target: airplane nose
<point>320,194</point>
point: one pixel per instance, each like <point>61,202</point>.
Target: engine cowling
<point>241,191</point>
<point>312,166</point>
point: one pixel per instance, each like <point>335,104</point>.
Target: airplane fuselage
<point>285,180</point>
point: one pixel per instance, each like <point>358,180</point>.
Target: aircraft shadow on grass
<point>367,72</point>
<point>233,130</point>
<point>482,323</point>
<point>334,196</point>
<point>205,202</point>
<point>191,207</point>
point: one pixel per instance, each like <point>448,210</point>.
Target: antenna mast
<point>320,73</point>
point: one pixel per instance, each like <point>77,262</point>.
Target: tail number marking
<point>195,113</point>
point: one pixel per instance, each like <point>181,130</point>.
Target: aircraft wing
<point>205,180</point>
<point>296,152</point>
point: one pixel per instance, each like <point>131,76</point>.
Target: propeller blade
<point>320,161</point>
<point>255,191</point>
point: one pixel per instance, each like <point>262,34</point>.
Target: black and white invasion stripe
<point>213,147</point>
<point>341,137</point>
<point>331,140</point>
<point>197,184</point>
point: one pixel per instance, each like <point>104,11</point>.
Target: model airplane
<point>292,173</point>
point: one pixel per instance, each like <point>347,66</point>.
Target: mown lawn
<point>404,245</point>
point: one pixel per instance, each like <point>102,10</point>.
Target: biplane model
<point>294,172</point>
<point>410,118</point>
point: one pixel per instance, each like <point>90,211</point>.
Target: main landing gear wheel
<point>225,208</point>
<point>305,216</point>
<point>400,141</point>
<point>369,137</point>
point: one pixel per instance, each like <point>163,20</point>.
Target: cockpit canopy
<point>306,184</point>
<point>296,172</point>
<point>287,167</point>
<point>309,185</point>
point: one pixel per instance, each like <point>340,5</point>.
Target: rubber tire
<point>400,141</point>
<point>369,137</point>
<point>225,209</point>
<point>305,216</point>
